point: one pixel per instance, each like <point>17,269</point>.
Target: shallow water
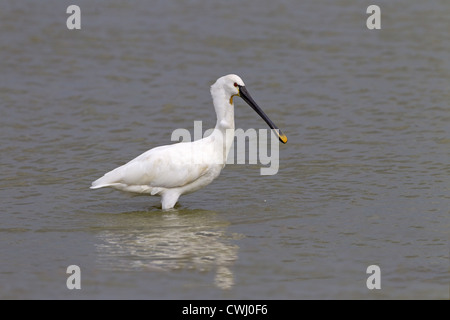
<point>363,180</point>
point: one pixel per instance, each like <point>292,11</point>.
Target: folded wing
<point>169,166</point>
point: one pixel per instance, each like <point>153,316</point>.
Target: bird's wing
<point>168,166</point>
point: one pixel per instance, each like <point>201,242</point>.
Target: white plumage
<point>173,170</point>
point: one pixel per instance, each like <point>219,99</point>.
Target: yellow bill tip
<point>283,138</point>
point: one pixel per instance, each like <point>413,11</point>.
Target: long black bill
<point>243,93</point>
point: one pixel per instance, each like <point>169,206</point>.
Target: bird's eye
<point>235,84</point>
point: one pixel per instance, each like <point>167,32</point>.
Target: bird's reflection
<point>179,240</point>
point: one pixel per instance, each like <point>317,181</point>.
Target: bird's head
<point>232,85</point>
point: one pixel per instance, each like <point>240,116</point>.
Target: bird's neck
<point>224,110</point>
<point>225,120</point>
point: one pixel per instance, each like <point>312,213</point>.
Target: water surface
<point>363,180</point>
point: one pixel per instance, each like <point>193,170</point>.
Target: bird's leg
<point>169,198</point>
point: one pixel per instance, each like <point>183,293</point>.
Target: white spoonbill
<point>173,170</point>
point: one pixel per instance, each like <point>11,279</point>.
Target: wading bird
<point>181,168</point>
